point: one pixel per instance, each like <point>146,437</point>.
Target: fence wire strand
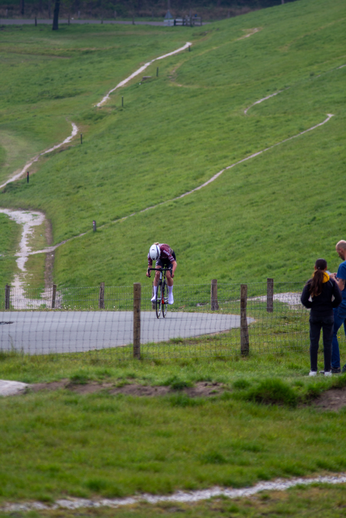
<point>99,321</point>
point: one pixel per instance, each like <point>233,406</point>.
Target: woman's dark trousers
<point>316,323</point>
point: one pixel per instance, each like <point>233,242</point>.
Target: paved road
<point>39,332</point>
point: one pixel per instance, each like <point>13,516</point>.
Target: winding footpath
<point>35,159</point>
<point>178,497</point>
<point>28,220</point>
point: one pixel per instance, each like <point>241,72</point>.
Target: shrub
<point>273,392</point>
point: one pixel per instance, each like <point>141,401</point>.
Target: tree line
<point>208,9</point>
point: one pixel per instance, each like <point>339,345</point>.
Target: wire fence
<point>119,323</point>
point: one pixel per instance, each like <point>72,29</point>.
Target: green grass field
<point>270,216</point>
<point>88,445</point>
<point>174,133</point>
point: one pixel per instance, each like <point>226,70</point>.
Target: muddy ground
<point>333,399</point>
<point>203,389</point>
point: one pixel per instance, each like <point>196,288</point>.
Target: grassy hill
<point>271,215</point>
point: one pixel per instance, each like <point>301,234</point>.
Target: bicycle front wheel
<point>158,301</point>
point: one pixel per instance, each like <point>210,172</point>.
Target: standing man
<point>165,258</point>
<point>339,312</point>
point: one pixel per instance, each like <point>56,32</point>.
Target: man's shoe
<point>170,298</point>
<point>153,299</point>
<point>313,373</point>
<point>336,371</point>
<point>344,368</point>
<point>327,373</point>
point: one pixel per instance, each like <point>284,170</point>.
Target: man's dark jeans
<point>316,323</point>
<point>339,319</point>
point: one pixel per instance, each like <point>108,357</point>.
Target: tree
<point>56,15</point>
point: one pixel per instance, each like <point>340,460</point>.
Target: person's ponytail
<point>317,279</point>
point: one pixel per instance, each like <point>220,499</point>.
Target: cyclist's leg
<point>156,282</point>
<point>169,278</point>
<point>170,288</point>
<point>168,274</point>
<point>169,281</point>
<point>153,298</point>
<point>157,275</point>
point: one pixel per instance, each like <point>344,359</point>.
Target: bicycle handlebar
<point>160,270</point>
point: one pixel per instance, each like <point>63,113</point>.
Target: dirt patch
<point>201,389</point>
<point>333,399</point>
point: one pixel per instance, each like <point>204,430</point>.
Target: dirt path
<point>21,173</point>
<point>178,497</point>
<point>140,71</point>
<point>28,220</point>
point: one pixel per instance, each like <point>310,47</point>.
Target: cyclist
<point>165,258</point>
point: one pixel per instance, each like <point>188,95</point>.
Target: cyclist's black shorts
<point>165,263</point>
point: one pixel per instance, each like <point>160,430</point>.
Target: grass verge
<point>99,444</point>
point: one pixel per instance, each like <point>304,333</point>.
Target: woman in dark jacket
<point>321,294</point>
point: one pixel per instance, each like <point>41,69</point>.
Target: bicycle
<point>161,301</point>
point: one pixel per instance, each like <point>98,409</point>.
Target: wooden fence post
<point>53,296</point>
<point>213,295</point>
<point>244,332</point>
<point>137,320</point>
<point>102,296</point>
<point>270,295</point>
<point>7,296</point>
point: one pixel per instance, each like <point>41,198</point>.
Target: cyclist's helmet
<point>154,252</point>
